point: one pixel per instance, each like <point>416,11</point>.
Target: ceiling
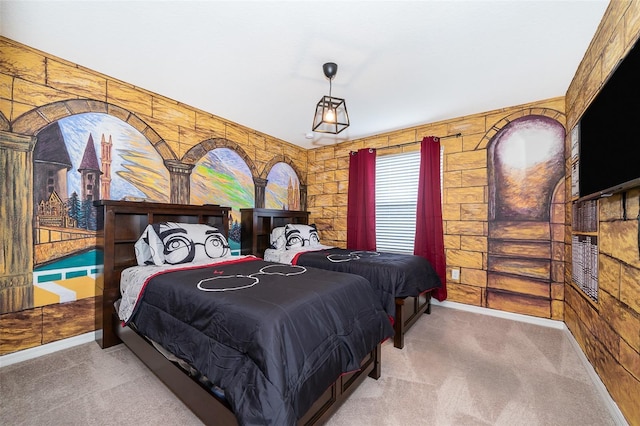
<point>259,63</point>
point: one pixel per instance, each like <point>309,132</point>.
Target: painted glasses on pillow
<point>301,235</point>
<point>184,242</point>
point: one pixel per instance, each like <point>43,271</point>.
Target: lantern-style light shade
<point>331,113</point>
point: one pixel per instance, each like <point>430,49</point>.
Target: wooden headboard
<point>257,224</point>
<point>120,224</point>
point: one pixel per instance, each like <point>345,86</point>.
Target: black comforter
<point>392,275</point>
<point>273,336</point>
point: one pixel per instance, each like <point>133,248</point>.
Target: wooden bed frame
<point>120,224</point>
<point>255,230</point>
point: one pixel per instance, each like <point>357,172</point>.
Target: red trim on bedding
<point>200,266</point>
<point>294,261</point>
<point>186,268</point>
<point>349,372</point>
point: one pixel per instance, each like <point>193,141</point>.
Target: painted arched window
<point>76,160</point>
<point>526,164</point>
<point>283,188</point>
<point>525,244</point>
<point>222,177</point>
<point>93,156</point>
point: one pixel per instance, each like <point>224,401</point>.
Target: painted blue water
<point>88,258</point>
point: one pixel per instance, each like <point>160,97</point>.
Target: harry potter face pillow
<point>301,236</point>
<point>174,243</point>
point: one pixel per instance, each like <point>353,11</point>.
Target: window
<point>397,177</point>
<point>396,200</point>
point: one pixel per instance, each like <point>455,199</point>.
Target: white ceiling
<point>259,63</point>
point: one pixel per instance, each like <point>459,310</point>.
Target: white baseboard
<point>502,314</point>
<point>601,388</point>
<point>31,353</point>
<point>597,382</point>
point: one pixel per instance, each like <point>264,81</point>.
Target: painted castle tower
<point>293,194</point>
<point>90,173</point>
<point>51,163</point>
<point>105,162</point>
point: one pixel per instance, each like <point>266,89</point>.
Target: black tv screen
<point>609,148</point>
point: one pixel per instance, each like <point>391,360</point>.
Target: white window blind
<point>396,199</point>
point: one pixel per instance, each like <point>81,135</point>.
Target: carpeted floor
<point>457,368</point>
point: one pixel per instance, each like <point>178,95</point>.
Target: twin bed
<point>240,340</point>
<point>402,282</point>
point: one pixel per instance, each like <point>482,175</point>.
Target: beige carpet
<point>457,368</point>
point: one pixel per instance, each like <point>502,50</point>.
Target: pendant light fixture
<point>331,113</point>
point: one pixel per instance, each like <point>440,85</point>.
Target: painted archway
<point>526,194</point>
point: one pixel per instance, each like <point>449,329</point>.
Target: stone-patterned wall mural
<point>89,156</point>
<point>502,203</point>
<point>70,135</point>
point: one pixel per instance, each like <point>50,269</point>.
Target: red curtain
<point>361,203</point>
<point>429,241</point>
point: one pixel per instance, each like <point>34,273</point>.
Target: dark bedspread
<point>273,336</point>
<point>393,275</point>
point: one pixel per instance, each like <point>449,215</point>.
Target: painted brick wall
<point>465,201</point>
<point>609,331</point>
<point>37,89</point>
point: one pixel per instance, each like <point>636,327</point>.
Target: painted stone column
<point>179,174</point>
<point>16,221</point>
<point>261,185</point>
<point>303,197</point>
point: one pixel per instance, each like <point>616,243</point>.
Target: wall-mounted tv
<point>609,133</point>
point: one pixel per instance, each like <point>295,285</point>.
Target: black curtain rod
<point>457,135</point>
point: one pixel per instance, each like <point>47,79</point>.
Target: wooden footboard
<point>210,409</point>
<point>408,311</point>
<point>339,391</point>
<point>213,410</point>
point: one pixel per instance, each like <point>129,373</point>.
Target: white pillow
<point>301,235</point>
<point>174,243</point>
<point>277,239</point>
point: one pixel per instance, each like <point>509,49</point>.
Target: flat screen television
<point>609,133</point>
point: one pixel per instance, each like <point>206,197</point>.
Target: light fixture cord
<point>330,98</point>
